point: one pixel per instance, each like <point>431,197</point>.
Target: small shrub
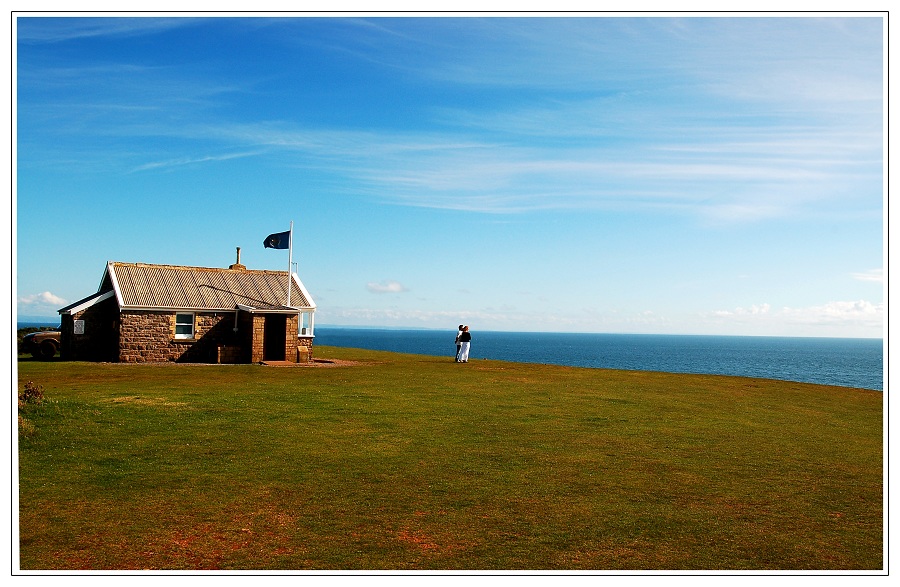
<point>31,394</point>
<point>26,428</point>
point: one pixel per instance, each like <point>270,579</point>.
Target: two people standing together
<point>463,341</point>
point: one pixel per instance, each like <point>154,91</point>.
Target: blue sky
<point>684,175</point>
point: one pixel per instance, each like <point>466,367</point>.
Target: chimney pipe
<point>238,265</point>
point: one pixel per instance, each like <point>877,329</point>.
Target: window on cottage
<point>306,324</point>
<point>184,326</point>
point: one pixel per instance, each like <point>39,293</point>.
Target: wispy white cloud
<point>876,275</point>
<point>860,311</point>
<point>837,318</point>
<point>386,287</point>
<point>573,158</point>
<point>763,177</point>
<point>791,61</point>
<point>53,30</point>
<point>179,162</point>
<point>481,319</point>
<point>754,310</point>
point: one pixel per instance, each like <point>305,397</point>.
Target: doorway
<point>274,337</point>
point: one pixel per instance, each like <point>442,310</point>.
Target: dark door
<point>274,337</point>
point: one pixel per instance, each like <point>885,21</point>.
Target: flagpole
<point>290,262</point>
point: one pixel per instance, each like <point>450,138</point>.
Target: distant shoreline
<point>36,323</point>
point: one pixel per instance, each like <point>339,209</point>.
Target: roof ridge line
<point>198,268</point>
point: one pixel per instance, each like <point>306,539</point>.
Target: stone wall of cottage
<point>299,348</point>
<point>257,322</point>
<point>149,337</point>
<point>290,342</point>
<point>305,349</point>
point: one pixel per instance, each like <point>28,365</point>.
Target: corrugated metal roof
<point>142,285</point>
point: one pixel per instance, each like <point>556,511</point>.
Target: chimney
<point>238,265</point>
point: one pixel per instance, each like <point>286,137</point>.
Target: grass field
<point>399,462</point>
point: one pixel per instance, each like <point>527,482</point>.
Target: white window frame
<point>183,336</point>
<point>310,324</point>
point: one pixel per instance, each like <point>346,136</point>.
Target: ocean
<point>847,362</point>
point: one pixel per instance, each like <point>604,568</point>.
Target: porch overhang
<point>281,310</point>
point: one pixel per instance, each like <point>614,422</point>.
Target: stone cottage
<point>160,313</point>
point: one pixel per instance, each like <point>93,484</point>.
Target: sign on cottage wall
<point>79,327</point>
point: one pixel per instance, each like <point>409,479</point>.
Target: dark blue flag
<point>279,240</point>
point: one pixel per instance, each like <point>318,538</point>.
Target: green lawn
<point>411,462</point>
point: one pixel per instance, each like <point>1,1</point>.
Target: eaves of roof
<point>87,302</point>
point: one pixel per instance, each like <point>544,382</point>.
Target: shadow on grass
<point>30,359</point>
